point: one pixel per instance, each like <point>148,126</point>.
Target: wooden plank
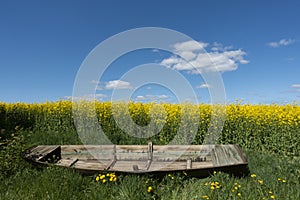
<point>241,154</point>
<point>233,156</point>
<point>90,165</point>
<point>227,155</point>
<point>150,155</point>
<point>136,148</point>
<point>135,168</point>
<point>66,162</point>
<point>113,161</point>
<point>189,164</point>
<point>49,154</point>
<point>166,166</point>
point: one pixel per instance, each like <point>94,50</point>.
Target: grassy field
<point>269,135</point>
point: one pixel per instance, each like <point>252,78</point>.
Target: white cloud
<point>117,84</point>
<point>151,97</point>
<point>282,42</point>
<point>190,46</point>
<point>140,98</point>
<point>196,60</point>
<point>100,96</point>
<point>95,82</point>
<point>295,86</point>
<point>291,59</point>
<point>88,97</point>
<point>220,47</point>
<point>204,85</point>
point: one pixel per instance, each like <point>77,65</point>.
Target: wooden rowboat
<point>195,160</point>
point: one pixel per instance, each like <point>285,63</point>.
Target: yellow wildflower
<point>102,177</point>
<point>253,175</point>
<point>149,189</point>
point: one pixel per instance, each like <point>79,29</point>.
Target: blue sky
<point>43,45</point>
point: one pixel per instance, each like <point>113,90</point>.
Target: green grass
<point>20,180</point>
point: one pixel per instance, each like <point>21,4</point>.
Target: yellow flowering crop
<point>271,127</point>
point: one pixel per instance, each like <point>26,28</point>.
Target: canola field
<point>273,128</point>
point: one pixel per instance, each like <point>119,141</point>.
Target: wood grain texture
<point>140,158</point>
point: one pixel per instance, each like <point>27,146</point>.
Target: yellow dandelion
<point>260,182</point>
<point>102,177</point>
<point>205,197</point>
<point>272,197</point>
<point>97,178</point>
<point>104,180</point>
<point>212,187</point>
<point>284,181</point>
<point>149,189</point>
<point>253,175</point>
<point>239,194</point>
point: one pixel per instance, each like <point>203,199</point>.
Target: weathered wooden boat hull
<point>195,160</point>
